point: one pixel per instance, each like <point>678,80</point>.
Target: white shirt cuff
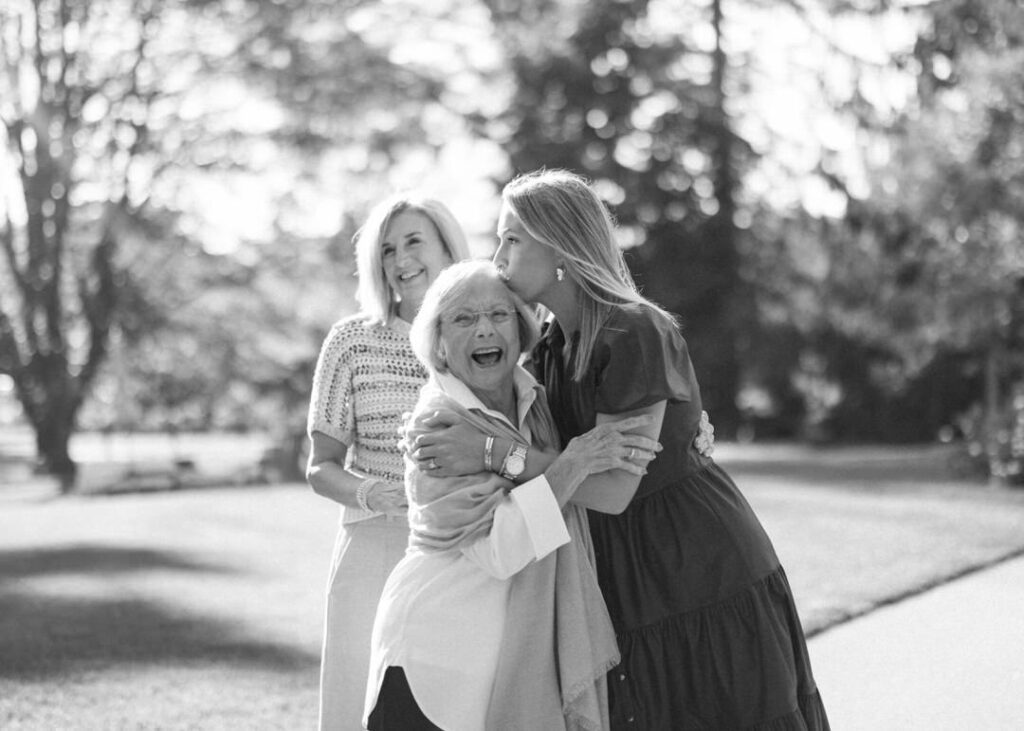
<point>544,521</point>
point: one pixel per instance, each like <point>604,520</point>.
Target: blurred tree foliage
<point>957,274</point>
<point>90,117</point>
<point>118,115</point>
<point>924,277</point>
<point>129,124</point>
<point>641,110</point>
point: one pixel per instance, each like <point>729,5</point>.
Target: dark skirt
<point>396,708</point>
<point>704,615</point>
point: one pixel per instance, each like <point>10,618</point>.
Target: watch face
<point>515,465</point>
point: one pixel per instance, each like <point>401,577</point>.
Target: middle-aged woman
<point>366,378</point>
<point>494,619</point>
<point>702,609</point>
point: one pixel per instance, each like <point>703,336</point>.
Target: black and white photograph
<point>512,365</point>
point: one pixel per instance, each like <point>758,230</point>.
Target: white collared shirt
<point>442,613</point>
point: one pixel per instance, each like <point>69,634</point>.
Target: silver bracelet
<point>488,450</point>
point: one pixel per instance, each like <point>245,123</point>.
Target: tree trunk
<point>51,399</point>
<point>721,384</point>
<point>992,363</point>
<point>53,437</point>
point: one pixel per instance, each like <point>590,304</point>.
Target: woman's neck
<point>406,310</point>
<point>502,400</point>
<point>564,304</point>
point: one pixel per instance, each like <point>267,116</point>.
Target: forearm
<point>602,478</point>
<point>537,460</point>
<point>334,482</point>
<point>606,492</point>
<point>564,474</point>
<point>572,479</point>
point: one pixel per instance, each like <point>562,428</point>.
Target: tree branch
<point>100,303</point>
<point>11,361</point>
<point>7,239</point>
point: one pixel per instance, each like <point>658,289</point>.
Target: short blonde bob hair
<point>374,294</point>
<point>445,295</point>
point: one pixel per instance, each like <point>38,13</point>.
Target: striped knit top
<point>366,378</point>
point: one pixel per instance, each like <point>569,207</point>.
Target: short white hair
<point>444,295</point>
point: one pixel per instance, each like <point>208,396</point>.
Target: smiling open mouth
<point>486,356</point>
<point>409,275</point>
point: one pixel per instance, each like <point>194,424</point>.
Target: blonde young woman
<point>702,610</point>
<point>366,378</point>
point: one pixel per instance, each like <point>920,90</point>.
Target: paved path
<point>950,658</point>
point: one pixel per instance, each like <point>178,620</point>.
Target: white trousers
<point>364,555</point>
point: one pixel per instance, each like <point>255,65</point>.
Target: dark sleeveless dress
<point>702,609</point>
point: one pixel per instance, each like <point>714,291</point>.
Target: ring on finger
<point>432,464</point>
<point>632,451</point>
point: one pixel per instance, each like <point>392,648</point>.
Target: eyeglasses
<point>469,318</point>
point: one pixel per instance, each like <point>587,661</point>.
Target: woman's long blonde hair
<point>374,294</point>
<point>559,209</point>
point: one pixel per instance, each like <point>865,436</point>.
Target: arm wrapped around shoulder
<point>446,512</point>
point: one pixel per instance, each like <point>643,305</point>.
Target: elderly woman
<point>493,619</point>
<point>366,378</point>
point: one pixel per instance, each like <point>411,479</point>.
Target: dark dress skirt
<point>704,616</point>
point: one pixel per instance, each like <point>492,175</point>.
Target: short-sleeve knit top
<point>366,379</point>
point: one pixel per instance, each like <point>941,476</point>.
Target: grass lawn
<point>202,608</point>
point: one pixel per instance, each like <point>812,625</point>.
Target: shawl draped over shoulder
<point>558,642</point>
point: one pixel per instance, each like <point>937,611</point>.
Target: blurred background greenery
<point>829,193</point>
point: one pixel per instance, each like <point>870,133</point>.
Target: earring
<point>560,274</point>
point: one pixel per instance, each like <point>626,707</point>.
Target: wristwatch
<point>514,463</point>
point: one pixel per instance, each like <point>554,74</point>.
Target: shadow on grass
<point>85,559</point>
<point>826,470</point>
<point>66,628</point>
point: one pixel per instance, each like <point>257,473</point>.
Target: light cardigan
<point>527,652</point>
<point>366,379</point>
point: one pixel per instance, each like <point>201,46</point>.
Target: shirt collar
<point>524,384</point>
